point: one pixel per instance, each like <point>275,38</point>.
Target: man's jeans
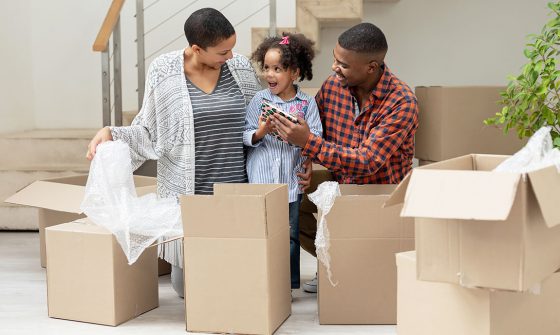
<point>294,241</point>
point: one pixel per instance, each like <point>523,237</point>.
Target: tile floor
<point>23,301</point>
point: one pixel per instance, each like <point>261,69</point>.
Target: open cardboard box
<point>480,228</point>
<point>59,199</point>
<point>237,259</point>
<point>89,279</point>
<point>364,238</point>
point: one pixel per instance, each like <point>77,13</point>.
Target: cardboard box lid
<point>66,194</point>
<point>449,190</point>
<point>546,186</point>
<point>246,211</point>
<point>50,195</point>
<point>467,195</point>
<point>84,225</point>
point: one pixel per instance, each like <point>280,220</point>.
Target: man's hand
<point>103,135</point>
<point>296,134</point>
<point>305,177</point>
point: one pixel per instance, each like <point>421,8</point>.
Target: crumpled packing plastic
<point>324,198</point>
<point>110,201</point>
<point>538,153</point>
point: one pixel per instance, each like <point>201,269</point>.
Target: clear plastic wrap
<point>111,201</point>
<point>536,154</point>
<point>324,198</point>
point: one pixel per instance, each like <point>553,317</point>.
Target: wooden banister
<point>102,40</point>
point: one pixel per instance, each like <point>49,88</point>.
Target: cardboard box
<point>237,259</point>
<point>364,238</point>
<point>89,279</point>
<point>428,308</point>
<point>422,162</point>
<point>164,268</point>
<point>59,199</point>
<point>450,123</point>
<point>480,228</point>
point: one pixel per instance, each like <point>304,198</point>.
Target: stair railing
<point>111,28</point>
<point>110,32</point>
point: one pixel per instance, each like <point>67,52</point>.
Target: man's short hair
<point>364,38</point>
<point>207,27</point>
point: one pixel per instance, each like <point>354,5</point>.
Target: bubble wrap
<point>538,153</point>
<point>110,201</point>
<point>324,198</point>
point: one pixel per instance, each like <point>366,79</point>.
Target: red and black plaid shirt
<point>376,147</point>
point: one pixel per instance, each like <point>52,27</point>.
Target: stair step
<point>14,217</point>
<point>56,148</point>
<point>12,181</point>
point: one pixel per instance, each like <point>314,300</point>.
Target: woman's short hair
<point>207,27</point>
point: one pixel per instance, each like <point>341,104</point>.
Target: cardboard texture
<point>237,259</point>
<point>451,123</point>
<point>364,238</point>
<point>89,279</point>
<point>59,199</point>
<point>480,228</point>
<point>428,308</point>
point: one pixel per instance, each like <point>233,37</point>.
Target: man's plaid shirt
<point>377,146</point>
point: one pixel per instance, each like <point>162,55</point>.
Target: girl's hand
<point>265,127</point>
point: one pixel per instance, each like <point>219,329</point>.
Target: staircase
<point>32,155</point>
<point>311,15</point>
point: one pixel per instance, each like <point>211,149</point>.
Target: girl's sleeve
<point>252,120</point>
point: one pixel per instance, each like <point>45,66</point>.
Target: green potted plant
<point>532,99</point>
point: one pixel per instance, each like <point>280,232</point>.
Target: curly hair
<point>297,53</point>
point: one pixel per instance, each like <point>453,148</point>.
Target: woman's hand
<point>103,135</point>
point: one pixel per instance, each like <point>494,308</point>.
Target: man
<point>369,119</point>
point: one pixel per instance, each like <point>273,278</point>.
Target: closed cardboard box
<point>428,308</point>
<point>364,238</point>
<point>450,123</point>
<point>480,228</point>
<point>89,279</point>
<point>237,259</point>
<point>59,199</point>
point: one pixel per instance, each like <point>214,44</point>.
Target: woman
<point>194,107</point>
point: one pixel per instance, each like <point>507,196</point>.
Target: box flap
<point>466,195</point>
<point>224,216</point>
<point>546,186</point>
<point>397,197</point>
<point>406,257</point>
<point>50,195</point>
<point>244,189</point>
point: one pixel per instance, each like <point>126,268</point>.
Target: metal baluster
<point>117,73</point>
<point>140,53</point>
<point>272,11</point>
<point>106,87</point>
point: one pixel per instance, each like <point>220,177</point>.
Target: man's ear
<point>373,66</point>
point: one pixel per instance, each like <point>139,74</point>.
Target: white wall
<point>16,91</point>
<point>51,78</point>
<point>448,42</point>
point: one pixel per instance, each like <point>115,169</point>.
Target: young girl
<point>270,160</point>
